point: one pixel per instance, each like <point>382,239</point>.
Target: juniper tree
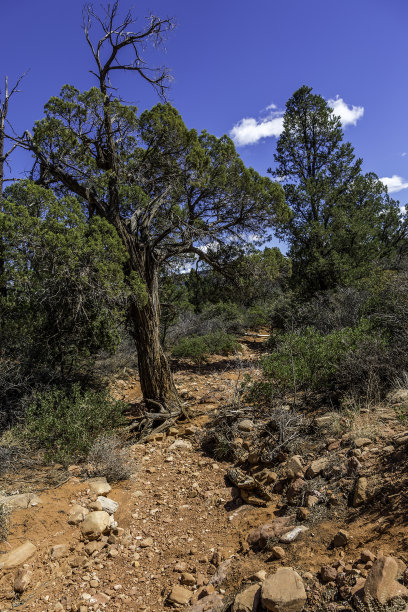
<point>166,190</point>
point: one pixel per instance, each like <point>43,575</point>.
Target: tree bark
<point>156,379</point>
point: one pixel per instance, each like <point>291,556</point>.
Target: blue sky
<point>231,60</point>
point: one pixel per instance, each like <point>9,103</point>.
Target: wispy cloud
<point>349,114</point>
<point>250,130</point>
<point>403,154</point>
<point>394,183</point>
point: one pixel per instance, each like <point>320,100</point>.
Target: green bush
<point>199,348</point>
<point>309,360</point>
<point>66,423</point>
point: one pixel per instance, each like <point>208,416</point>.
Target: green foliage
<point>199,348</point>
<point>309,360</point>
<point>343,223</point>
<point>65,424</point>
<point>63,292</point>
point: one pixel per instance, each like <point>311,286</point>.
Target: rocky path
<point>183,536</point>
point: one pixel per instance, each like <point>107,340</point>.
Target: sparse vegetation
<point>110,458</point>
<point>66,423</point>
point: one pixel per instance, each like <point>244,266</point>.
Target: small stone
<point>58,551</point>
<point>340,539</point>
<point>95,524</point>
<point>99,485</point>
<point>246,425</point>
<point>312,500</point>
<point>381,584</point>
<point>181,445</point>
<point>317,467</point>
<point>367,556</point>
<point>303,514</point>
<point>247,600</point>
<point>17,556</point>
<point>362,442</point>
<point>293,535</point>
<point>180,595</point>
<point>328,574</point>
<point>277,552</point>
<point>360,492</point>
<point>22,580</point>
<point>187,579</point>
<point>146,543</point>
<point>108,505</point>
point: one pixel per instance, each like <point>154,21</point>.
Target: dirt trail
<point>179,519</point>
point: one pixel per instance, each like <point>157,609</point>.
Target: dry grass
<point>109,458</point>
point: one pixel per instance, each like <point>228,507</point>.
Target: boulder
<point>248,600</point>
<point>95,524</point>
<point>381,584</point>
<point>17,556</point>
<point>283,591</point>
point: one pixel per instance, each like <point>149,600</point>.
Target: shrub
<point>108,458</point>
<point>66,423</point>
<point>308,360</point>
<point>199,348</point>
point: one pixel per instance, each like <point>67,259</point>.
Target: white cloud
<point>394,183</point>
<point>250,131</point>
<point>349,115</point>
<point>403,154</point>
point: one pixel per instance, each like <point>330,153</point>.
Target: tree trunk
<point>156,379</point>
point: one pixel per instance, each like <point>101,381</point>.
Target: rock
<point>360,492</point>
<point>22,579</point>
<point>77,514</point>
<point>328,574</point>
<point>181,445</point>
<point>258,576</point>
<point>340,539</point>
<point>317,467</point>
<point>99,486</point>
<point>221,574</point>
<point>323,422</point>
<point>277,527</point>
<point>94,546</point>
<point>283,591</point>
<point>146,543</point>
<point>366,556</point>
<point>312,500</point>
<point>294,467</point>
<point>277,552</point>
<point>381,584</point>
<point>58,551</point>
<point>20,501</point>
<point>362,442</point>
<point>211,603</point>
<point>245,425</point>
<point>180,595</point>
<point>17,556</point>
<point>95,524</point>
<point>293,535</point>
<point>294,489</point>
<point>187,579</point>
<point>108,505</point>
<point>303,514</point>
<point>248,600</point>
